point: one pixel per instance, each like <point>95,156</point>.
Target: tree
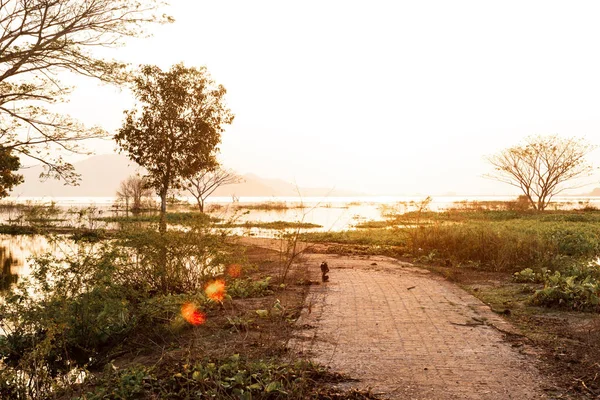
<point>176,128</point>
<point>204,183</point>
<point>542,166</point>
<point>9,163</point>
<point>133,190</point>
<point>41,39</point>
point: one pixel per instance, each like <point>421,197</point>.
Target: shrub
<point>243,288</point>
<point>230,378</point>
<point>91,298</point>
<point>577,288</point>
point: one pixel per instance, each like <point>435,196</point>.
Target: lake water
<point>332,213</point>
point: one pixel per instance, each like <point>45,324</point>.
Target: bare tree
<point>40,39</point>
<point>205,182</point>
<point>134,190</point>
<point>542,166</point>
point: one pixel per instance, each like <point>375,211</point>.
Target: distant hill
<point>102,174</point>
<point>595,192</point>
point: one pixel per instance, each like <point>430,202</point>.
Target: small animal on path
<point>324,271</point>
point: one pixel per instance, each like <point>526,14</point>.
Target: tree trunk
<point>162,229</point>
<point>162,224</point>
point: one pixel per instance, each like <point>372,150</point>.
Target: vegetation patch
<point>271,205</point>
<point>172,218</point>
<point>171,315</point>
<point>576,287</point>
<point>491,240</point>
<point>271,225</point>
<point>232,377</point>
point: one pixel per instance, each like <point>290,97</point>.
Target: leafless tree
<point>133,190</point>
<point>205,182</point>
<point>542,166</point>
<point>40,39</point>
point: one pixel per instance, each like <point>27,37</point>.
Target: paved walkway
<point>409,334</point>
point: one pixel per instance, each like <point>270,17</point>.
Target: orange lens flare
<point>192,315</point>
<point>234,270</point>
<point>215,290</point>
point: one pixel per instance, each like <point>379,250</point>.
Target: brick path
<point>409,334</point>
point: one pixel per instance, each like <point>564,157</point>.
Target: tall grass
<point>491,240</point>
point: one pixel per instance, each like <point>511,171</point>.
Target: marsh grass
<point>172,218</point>
<point>269,225</point>
<point>492,240</point>
<point>271,206</point>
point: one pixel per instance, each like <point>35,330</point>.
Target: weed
<point>244,288</point>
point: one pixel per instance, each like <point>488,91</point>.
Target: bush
<point>577,288</point>
<point>92,298</point>
<point>493,240</point>
<point>174,262</point>
<point>243,288</point>
<point>228,378</point>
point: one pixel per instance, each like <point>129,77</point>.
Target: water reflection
<point>7,277</point>
<point>15,256</point>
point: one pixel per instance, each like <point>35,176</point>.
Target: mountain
<point>102,174</point>
<point>595,192</point>
<point>254,185</point>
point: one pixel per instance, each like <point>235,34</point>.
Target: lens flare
<point>234,270</point>
<point>215,290</point>
<point>192,315</point>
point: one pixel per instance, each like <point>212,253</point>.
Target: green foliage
<point>271,206</point>
<point>93,297</point>
<point>75,313</point>
<point>183,218</point>
<point>271,225</point>
<point>9,163</point>
<point>174,261</point>
<point>577,288</point>
<point>493,240</point>
<point>233,377</point>
<point>389,237</point>
<point>529,276</point>
<point>243,288</point>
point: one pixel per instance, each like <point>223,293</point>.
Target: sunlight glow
<point>215,290</point>
<point>192,315</point>
<point>234,270</point>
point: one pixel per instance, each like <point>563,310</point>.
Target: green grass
<point>491,240</point>
<point>457,215</point>
<point>172,218</point>
<point>270,205</point>
<point>270,225</point>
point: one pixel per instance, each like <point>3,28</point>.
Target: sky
<point>381,97</point>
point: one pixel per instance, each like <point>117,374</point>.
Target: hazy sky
<point>380,96</point>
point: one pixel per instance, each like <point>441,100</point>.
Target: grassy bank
<point>180,315</point>
<point>489,240</point>
<point>271,206</point>
<point>172,218</point>
<point>270,225</point>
